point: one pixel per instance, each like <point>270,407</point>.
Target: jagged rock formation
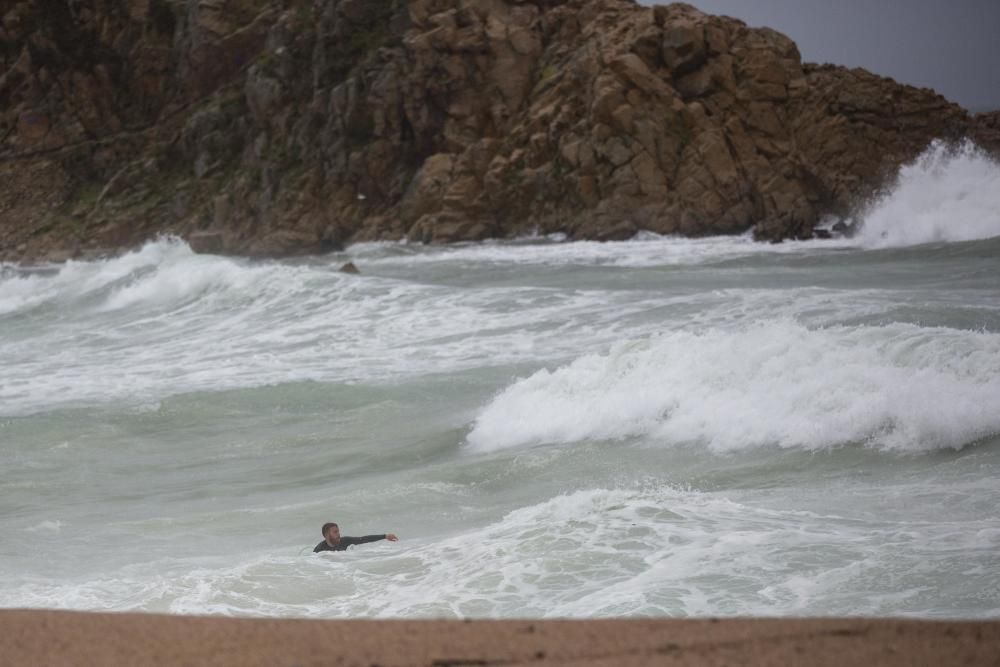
<point>986,131</point>
<point>271,128</point>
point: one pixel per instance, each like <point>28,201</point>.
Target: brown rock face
<point>289,127</point>
<point>986,131</point>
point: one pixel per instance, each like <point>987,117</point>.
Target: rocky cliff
<point>295,126</point>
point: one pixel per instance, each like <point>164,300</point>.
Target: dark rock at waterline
<point>349,267</point>
<point>842,228</point>
<point>298,130</point>
<point>210,243</point>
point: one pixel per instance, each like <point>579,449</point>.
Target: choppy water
<point>659,427</point>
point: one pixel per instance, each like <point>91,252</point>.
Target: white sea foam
<point>898,386</point>
<point>46,527</point>
<point>75,279</point>
<point>949,194</point>
<point>163,320</point>
<point>590,553</point>
<point>646,249</point>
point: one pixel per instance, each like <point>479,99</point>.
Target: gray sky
<point>952,47</point>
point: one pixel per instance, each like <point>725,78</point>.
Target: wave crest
<point>949,194</point>
<point>896,387</point>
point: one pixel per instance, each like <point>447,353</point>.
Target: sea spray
<point>774,383</point>
<point>949,194</point>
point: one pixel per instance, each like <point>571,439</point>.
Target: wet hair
<point>328,526</point>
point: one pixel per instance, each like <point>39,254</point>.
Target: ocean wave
<point>645,250</point>
<point>597,552</point>
<point>162,320</point>
<point>895,387</point>
<point>75,280</point>
<point>949,194</point>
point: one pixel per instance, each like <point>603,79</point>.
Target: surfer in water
<point>332,541</point>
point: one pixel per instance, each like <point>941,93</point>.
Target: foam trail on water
<point>646,249</point>
<point>947,195</point>
<point>899,387</point>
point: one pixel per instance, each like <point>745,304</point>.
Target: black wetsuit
<point>347,542</point>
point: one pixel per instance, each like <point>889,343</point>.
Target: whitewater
<point>658,427</point>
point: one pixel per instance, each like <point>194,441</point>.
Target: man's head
<point>331,533</point>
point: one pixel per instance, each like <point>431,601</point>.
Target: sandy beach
<point>32,637</point>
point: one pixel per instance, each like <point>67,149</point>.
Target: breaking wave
<point>895,387</point>
<point>949,194</point>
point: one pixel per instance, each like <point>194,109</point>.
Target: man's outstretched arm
<point>368,538</point>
